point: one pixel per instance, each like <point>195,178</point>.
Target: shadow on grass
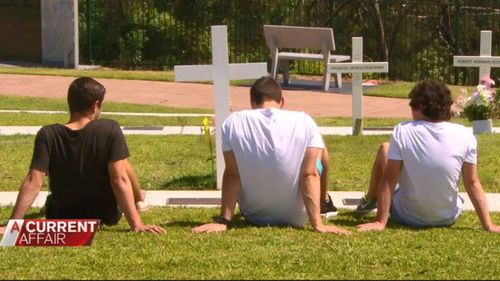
<point>191,182</point>
<point>35,215</point>
<point>238,222</point>
<point>114,229</point>
<point>351,218</point>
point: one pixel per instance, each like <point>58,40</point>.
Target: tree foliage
<point>418,38</point>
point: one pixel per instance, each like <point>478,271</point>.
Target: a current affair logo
<point>50,232</point>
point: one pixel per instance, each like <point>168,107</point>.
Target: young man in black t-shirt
<point>86,161</point>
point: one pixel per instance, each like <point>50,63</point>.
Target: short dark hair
<point>433,98</point>
<point>265,88</point>
<point>83,93</point>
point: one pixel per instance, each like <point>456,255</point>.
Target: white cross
<point>220,72</point>
<point>357,67</point>
<point>484,61</point>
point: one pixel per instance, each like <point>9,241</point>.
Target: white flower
<point>483,97</point>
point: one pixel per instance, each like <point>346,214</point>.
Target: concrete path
<point>197,130</point>
<point>173,198</point>
<point>184,130</point>
<point>187,95</point>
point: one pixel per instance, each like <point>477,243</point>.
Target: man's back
<point>269,146</point>
<point>433,155</point>
<point>77,165</point>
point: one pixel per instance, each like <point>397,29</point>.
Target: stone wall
<point>59,20</point>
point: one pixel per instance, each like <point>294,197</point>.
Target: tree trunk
<point>384,52</point>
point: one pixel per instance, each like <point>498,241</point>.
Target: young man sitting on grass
<point>416,178</point>
<point>87,164</point>
<point>271,170</point>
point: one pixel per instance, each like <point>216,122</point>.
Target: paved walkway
<point>179,198</point>
<point>197,130</point>
<point>186,130</point>
<point>188,95</point>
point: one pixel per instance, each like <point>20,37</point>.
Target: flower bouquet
<point>481,106</point>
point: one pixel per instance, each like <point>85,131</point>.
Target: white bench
<point>300,38</point>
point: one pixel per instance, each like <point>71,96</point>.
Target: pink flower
<point>487,81</point>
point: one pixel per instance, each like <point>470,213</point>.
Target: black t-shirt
<point>77,166</point>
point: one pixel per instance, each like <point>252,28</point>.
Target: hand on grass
<point>150,229</point>
<point>209,228</point>
<point>2,229</point>
<point>331,229</point>
<point>371,226</point>
<point>492,229</point>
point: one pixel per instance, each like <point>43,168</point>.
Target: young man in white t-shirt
<point>271,156</point>
<point>416,178</point>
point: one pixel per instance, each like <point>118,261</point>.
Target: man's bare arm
<point>122,189</point>
<point>134,180</point>
<point>476,194</point>
<point>388,183</point>
<point>30,188</point>
<point>310,189</point>
<point>231,186</point>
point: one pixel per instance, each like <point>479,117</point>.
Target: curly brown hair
<point>433,98</point>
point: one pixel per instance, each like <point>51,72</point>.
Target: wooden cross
<point>220,72</point>
<point>484,61</point>
<point>357,67</point>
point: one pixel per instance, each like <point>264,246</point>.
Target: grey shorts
<point>399,219</point>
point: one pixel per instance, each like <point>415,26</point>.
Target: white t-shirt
<point>432,155</point>
<point>269,146</point>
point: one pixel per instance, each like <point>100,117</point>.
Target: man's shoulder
<point>441,128</point>
<point>102,127</point>
<point>300,118</point>
<point>105,122</point>
<point>410,124</point>
<point>275,112</point>
<point>51,129</point>
<point>299,114</point>
<point>278,115</point>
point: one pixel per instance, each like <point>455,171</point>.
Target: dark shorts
<point>107,215</point>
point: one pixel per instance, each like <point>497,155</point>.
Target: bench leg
<point>274,68</point>
<point>286,72</point>
<point>338,80</point>
<point>326,79</point>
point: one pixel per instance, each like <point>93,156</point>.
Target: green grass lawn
<point>95,73</point>
<point>401,89</point>
<point>463,251</point>
<point>379,122</point>
<point>28,119</point>
<point>52,104</point>
<point>180,162</point>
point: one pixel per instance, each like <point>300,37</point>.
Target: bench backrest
<point>299,37</point>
